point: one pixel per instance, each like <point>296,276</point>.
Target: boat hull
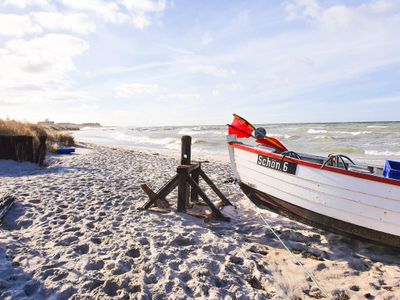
<point>308,217</point>
<point>337,200</point>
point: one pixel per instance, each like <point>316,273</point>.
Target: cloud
<point>302,8</point>
<point>226,88</point>
<point>125,11</point>
<point>109,11</point>
<point>337,17</point>
<point>77,22</point>
<point>139,10</point>
<point>141,21</point>
<point>12,25</point>
<point>145,5</point>
<point>127,90</point>
<point>212,70</point>
<point>180,98</point>
<point>44,96</point>
<point>379,6</point>
<point>39,63</point>
<point>26,3</point>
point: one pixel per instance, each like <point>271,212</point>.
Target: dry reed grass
<point>53,137</point>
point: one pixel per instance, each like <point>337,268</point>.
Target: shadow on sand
<point>15,283</point>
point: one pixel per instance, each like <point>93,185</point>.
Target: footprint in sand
<point>175,265</point>
<point>67,241</point>
<point>95,240</point>
<point>82,249</point>
<point>63,217</point>
<point>181,241</point>
<point>133,252</point>
<point>94,265</point>
<point>92,284</point>
<point>59,275</point>
<point>110,288</point>
<point>355,288</point>
<point>122,267</point>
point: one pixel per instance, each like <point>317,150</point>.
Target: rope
<point>293,256</point>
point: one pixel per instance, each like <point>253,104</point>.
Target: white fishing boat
<point>332,193</point>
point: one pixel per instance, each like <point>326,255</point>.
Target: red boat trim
<point>317,166</point>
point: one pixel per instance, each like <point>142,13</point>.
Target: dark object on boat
<point>260,133</point>
<point>65,150</point>
<point>188,175</point>
<point>6,201</point>
<point>392,169</point>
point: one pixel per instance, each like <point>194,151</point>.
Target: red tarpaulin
<point>240,127</point>
<point>243,129</point>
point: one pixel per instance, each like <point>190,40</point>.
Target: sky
<point>184,62</point>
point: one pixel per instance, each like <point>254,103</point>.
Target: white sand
<point>75,232</point>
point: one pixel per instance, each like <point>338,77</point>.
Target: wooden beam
<point>183,188</point>
<point>214,188</point>
<point>160,202</point>
<point>163,192</point>
<point>6,201</point>
<point>215,210</point>
<point>194,195</point>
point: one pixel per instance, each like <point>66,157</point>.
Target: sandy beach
<point>75,232</point>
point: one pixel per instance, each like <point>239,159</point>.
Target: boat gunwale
<point>315,165</point>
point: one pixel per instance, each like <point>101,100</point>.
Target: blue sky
<point>145,62</point>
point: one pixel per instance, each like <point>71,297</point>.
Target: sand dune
<point>75,232</point>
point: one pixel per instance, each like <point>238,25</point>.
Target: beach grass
<point>54,135</point>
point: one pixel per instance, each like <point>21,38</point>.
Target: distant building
<point>46,122</point>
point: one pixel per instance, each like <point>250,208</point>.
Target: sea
<point>370,142</point>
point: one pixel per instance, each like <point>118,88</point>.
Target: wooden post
<point>183,188</point>
<point>41,154</point>
<point>186,150</point>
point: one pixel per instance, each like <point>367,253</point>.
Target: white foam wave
<point>376,126</point>
<point>278,135</point>
<point>352,132</point>
<point>381,153</point>
<point>195,131</point>
<point>319,131</point>
<point>315,131</point>
<point>322,137</point>
<point>145,140</point>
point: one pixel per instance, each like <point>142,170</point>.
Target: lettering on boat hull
<point>276,164</point>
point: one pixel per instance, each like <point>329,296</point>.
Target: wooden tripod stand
<point>187,181</point>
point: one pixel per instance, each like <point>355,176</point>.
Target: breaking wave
<point>382,153</point>
<point>316,131</point>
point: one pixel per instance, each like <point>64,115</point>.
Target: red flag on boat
<point>273,143</point>
<point>240,127</point>
<point>243,129</point>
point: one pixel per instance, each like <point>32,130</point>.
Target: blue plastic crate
<point>392,169</point>
<point>65,150</point>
